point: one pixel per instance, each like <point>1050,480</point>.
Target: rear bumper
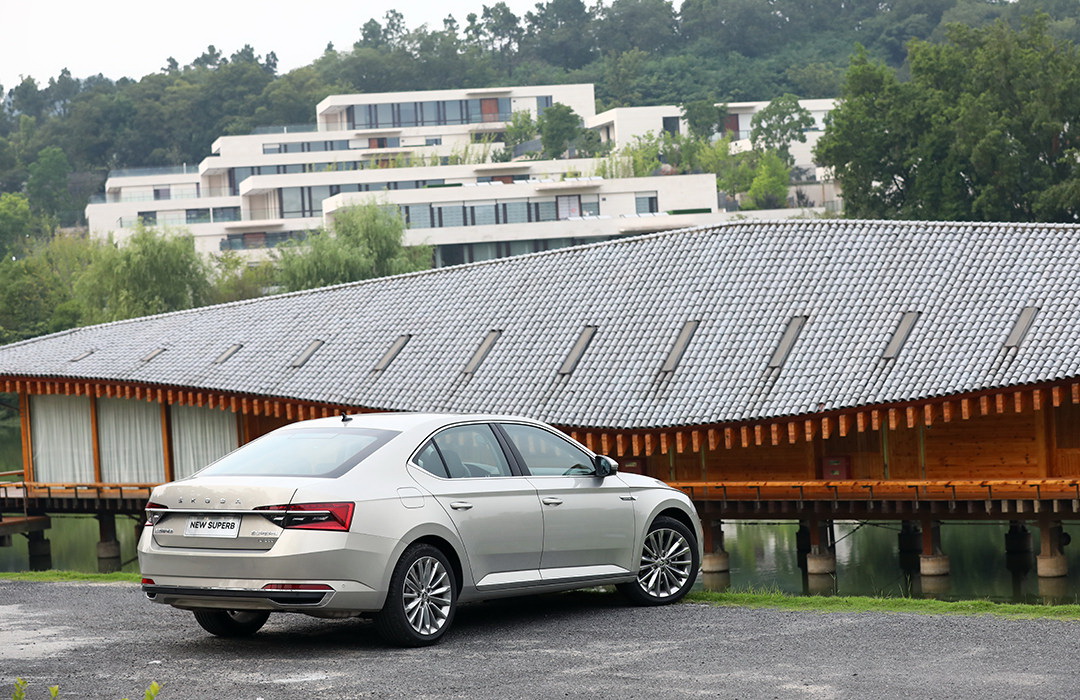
<point>171,595</point>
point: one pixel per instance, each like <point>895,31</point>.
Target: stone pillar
<point>932,561</point>
<point>910,546</point>
<point>716,560</point>
<point>1051,561</point>
<point>108,547</point>
<point>40,550</point>
<point>821,559</point>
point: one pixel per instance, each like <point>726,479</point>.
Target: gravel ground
<point>107,641</point>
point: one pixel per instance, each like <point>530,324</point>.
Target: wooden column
<point>27,441</point>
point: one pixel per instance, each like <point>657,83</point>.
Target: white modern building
<point>438,155</point>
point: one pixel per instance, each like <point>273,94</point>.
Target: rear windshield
<point>317,452</point>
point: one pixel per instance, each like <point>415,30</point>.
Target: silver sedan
<point>401,517</point>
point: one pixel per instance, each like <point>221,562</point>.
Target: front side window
<point>465,451</point>
<point>547,454</point>
<point>315,452</point>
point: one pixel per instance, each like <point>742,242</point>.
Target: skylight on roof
<point>1021,327</point>
<point>392,353</point>
<point>83,356</point>
<point>482,351</point>
<point>229,352</point>
<point>787,341</point>
<point>578,349</point>
<point>153,354</point>
<point>900,335</point>
<point>679,348</point>
<point>310,350</point>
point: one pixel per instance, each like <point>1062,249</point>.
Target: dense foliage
<point>70,280</point>
<point>984,129</point>
<point>637,52</point>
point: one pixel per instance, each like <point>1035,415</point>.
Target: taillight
<point>152,518</point>
<point>311,516</point>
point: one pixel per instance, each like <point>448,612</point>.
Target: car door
<point>496,513</point>
<point>589,526</point>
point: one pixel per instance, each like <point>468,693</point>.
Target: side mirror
<point>604,466</point>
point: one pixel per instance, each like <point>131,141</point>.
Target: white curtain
<point>61,439</point>
<point>129,436</point>
<point>200,436</point>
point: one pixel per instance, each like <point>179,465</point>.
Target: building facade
<point>437,155</point>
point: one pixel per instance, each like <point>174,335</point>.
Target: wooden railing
<point>29,489</point>
<point>893,490</point>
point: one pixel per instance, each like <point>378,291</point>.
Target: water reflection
<point>763,556</point>
<point>73,541</point>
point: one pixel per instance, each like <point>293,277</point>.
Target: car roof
<point>406,421</point>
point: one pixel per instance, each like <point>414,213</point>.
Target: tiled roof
<point>743,282</point>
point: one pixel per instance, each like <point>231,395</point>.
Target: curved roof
<point>743,283</point>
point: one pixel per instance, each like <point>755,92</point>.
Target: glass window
<point>429,460</point>
<point>516,212</point>
<point>454,112</point>
<point>384,115</point>
<point>433,141</point>
<point>646,203</point>
<point>483,214</point>
<point>569,206</point>
<point>451,215</point>
<point>590,205</point>
<point>407,113</point>
<point>544,210</point>
<point>148,218</point>
<point>542,103</point>
<point>429,113</point>
<point>418,215</point>
<point>482,251</point>
<point>291,205</point>
<point>317,452</point>
<point>471,451</point>
<point>226,213</point>
<point>198,216</point>
<point>547,454</point>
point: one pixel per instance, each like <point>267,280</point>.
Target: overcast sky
<point>131,38</point>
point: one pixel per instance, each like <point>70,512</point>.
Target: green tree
<point>363,242</point>
<point>17,224</point>
<point>983,130</point>
<point>47,186</point>
<point>151,272</point>
<point>703,118</point>
<point>233,278</point>
<point>779,124</point>
<point>770,185</point>
<point>37,292</point>
<point>559,126</point>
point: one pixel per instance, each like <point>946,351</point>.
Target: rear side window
<point>463,452</point>
<point>317,452</point>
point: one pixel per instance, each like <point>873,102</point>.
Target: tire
<point>231,623</point>
<point>421,601</point>
<point>669,564</point>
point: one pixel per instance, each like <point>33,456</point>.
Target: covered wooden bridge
<point>814,370</point>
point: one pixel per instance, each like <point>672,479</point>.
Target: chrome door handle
<point>551,501</point>
<point>461,505</point>
<point>628,498</point>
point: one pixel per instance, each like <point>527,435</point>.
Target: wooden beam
<point>714,439</point>
<point>965,409</point>
<point>984,405</point>
<point>695,440</point>
<point>875,420</point>
<point>729,438</point>
<point>1037,399</point>
<point>826,428</point>
<point>744,435</point>
<point>1055,395</point>
<point>648,444</point>
<point>95,446</point>
<point>167,443</point>
<point>1018,401</point>
<point>792,432</point>
<point>860,422</point>
<point>620,445</point>
<point>605,445</point>
<point>774,433</point>
<point>635,444</point>
<point>928,415</point>
<point>999,403</point>
<point>842,419</point>
<point>27,441</point>
<point>680,442</point>
<point>758,434</point>
<point>946,411</point>
<point>663,443</point>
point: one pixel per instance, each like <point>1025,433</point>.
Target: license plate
<point>213,526</point>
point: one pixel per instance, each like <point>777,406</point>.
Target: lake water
<point>763,557</point>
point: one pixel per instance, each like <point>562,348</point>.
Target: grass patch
<point>54,575</point>
<point>855,604</point>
